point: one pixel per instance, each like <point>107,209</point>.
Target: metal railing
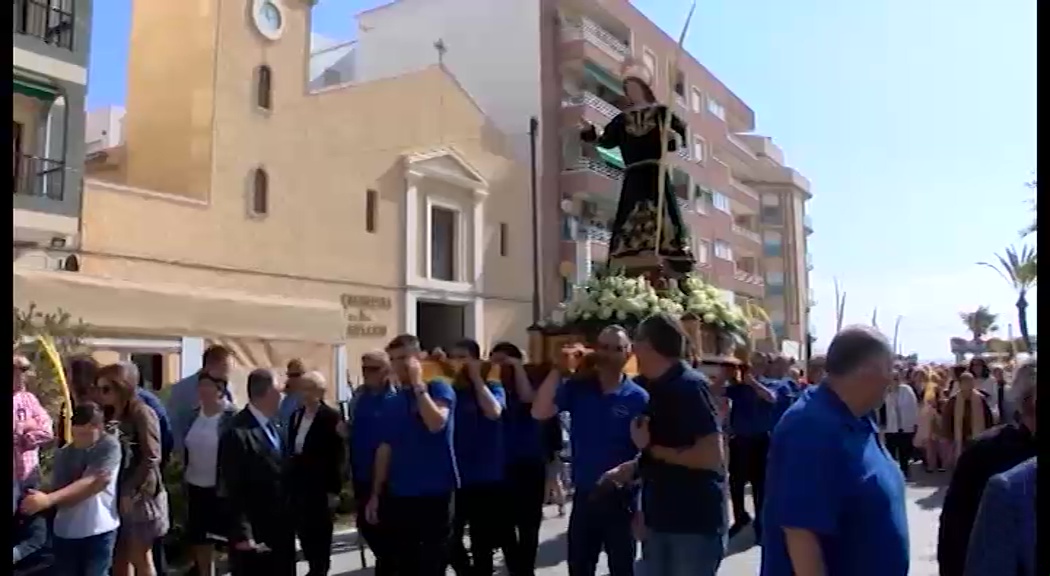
<point>35,176</point>
<point>585,164</point>
<point>594,101</point>
<point>599,235</point>
<point>40,19</point>
<point>748,277</point>
<point>807,223</point>
<point>589,30</point>
<point>750,235</point>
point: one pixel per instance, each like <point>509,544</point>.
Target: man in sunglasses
<point>368,413</point>
<point>602,405</point>
<point>292,399</point>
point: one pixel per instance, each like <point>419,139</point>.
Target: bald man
<point>315,471</point>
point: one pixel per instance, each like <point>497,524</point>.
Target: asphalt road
<point>924,500</point>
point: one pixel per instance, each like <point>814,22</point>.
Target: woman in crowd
<point>985,383</point>
<point>205,519</point>
<point>928,438</point>
<point>31,423</point>
<point>966,414</point>
<point>143,500</point>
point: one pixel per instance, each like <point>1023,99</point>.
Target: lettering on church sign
<point>359,310</point>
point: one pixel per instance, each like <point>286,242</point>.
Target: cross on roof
<point>441,49</point>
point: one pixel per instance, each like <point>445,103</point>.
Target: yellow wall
<point>172,206</point>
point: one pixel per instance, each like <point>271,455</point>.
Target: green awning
<point>603,77</point>
<point>33,89</point>
<point>612,157</point>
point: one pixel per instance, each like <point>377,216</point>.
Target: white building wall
<point>493,50</point>
<point>104,128</point>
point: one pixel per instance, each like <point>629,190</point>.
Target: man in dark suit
<point>252,479</point>
<point>316,471</point>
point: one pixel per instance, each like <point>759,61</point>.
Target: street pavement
<point>924,495</point>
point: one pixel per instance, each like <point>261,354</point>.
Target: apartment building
<point>757,163</point>
<point>561,61</point>
<point>51,39</point>
<point>242,206</point>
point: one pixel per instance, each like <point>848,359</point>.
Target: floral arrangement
<point>706,303</point>
<point>617,298</point>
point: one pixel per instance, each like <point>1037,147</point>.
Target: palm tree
<point>980,322</point>
<point>1019,270</point>
<point>1031,228</point>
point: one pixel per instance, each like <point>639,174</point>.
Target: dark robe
<point>992,452</point>
<point>637,133</point>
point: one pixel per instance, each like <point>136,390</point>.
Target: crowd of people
<point>446,472</point>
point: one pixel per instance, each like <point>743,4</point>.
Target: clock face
<point>268,18</point>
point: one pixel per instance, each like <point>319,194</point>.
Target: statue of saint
<point>638,132</point>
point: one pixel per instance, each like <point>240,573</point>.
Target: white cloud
<point>929,304</point>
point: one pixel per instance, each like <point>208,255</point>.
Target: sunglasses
<point>367,368</point>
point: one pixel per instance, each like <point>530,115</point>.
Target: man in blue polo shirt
<point>368,409</point>
<point>602,406</point>
<point>526,475</point>
<point>416,466</point>
<point>682,465</point>
<point>835,499</point>
<point>751,419</point>
<point>478,441</point>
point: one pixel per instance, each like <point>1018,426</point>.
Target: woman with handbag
<point>140,486</point>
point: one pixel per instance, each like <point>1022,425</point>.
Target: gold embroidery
<point>641,122</point>
<point>639,233</point>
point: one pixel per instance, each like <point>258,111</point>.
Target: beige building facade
<point>246,209</point>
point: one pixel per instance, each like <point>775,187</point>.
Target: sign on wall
<point>360,311</point>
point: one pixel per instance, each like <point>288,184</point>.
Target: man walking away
<point>602,405</point>
<point>835,499</point>
<point>252,480</point>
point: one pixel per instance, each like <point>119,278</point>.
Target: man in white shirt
<point>84,494</point>
<point>900,420</point>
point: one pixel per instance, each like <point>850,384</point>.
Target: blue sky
<point>914,121</point>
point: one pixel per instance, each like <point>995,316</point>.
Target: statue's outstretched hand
<point>588,133</point>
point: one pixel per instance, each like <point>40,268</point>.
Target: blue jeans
<point>91,556</point>
<point>602,522</point>
<point>666,554</point>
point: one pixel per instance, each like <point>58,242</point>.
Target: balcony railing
<point>39,19</point>
<point>748,277</point>
<point>807,223</point>
<point>809,262</point>
<point>588,30</point>
<point>585,164</point>
<point>597,103</point>
<point>598,235</point>
<point>743,188</point>
<point>683,153</point>
<point>753,236</point>
<point>40,177</point>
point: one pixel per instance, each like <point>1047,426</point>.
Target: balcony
<point>809,262</point>
<point>596,166</point>
<point>743,189</point>
<point>593,102</point>
<point>592,34</point>
<point>39,19</point>
<point>38,177</point>
<point>749,234</point>
<point>807,224</point>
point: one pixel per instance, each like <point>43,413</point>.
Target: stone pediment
<point>447,164</point>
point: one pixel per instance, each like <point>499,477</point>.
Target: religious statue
<point>638,132</point>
